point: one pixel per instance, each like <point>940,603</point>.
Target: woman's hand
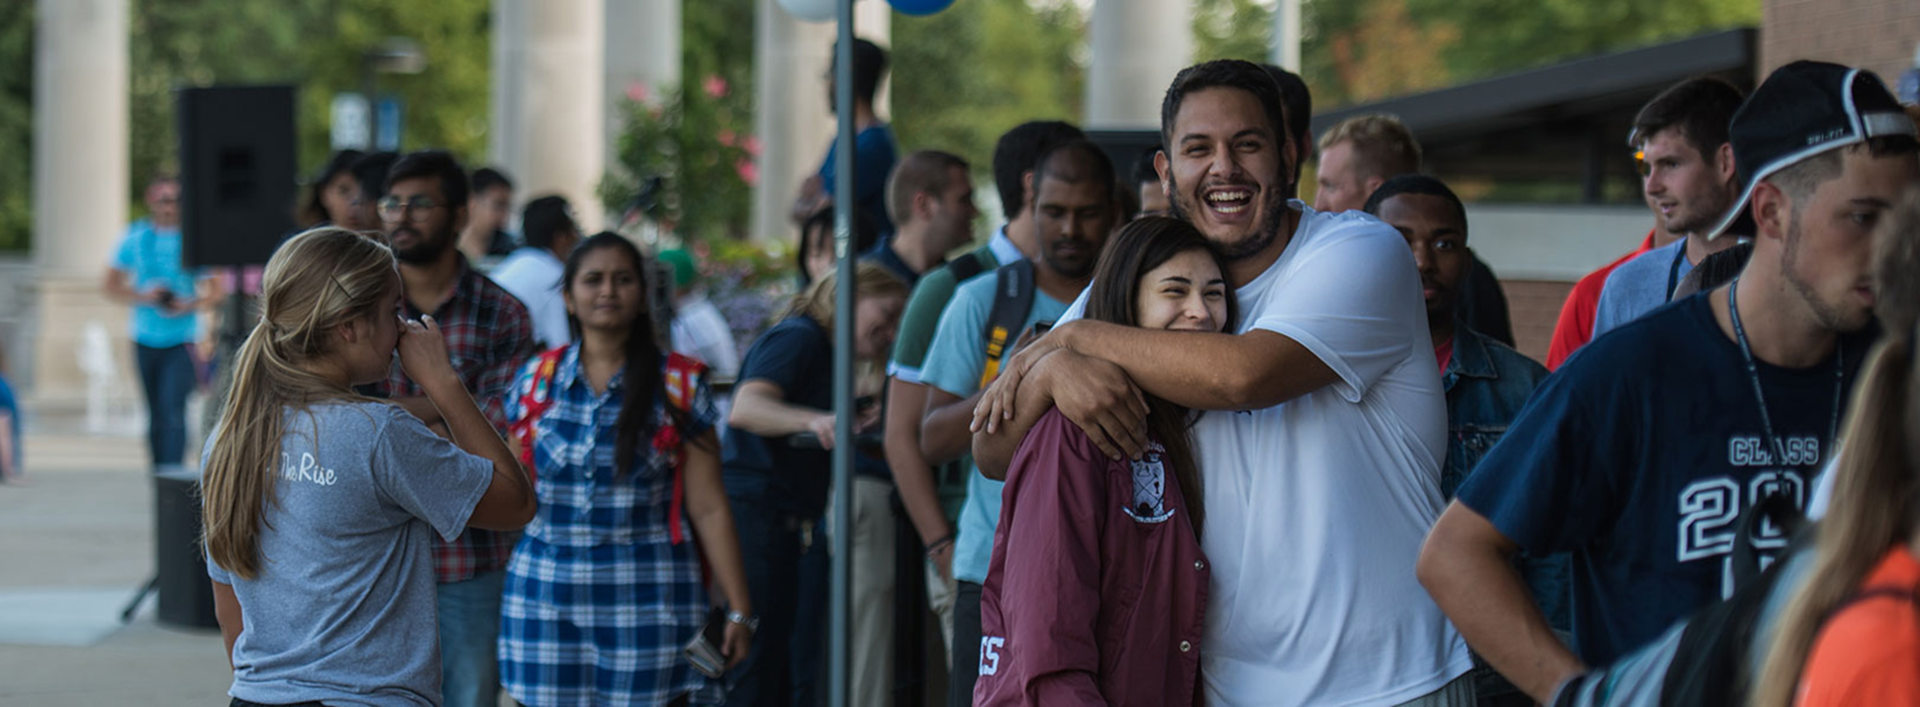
<point>423,351</point>
<point>735,644</point>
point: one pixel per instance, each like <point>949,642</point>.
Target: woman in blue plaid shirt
<point>603,591</point>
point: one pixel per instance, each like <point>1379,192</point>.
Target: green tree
<point>16,124</point>
<point>1232,29</point>
<point>963,76</point>
<point>1350,48</point>
<point>317,46</point>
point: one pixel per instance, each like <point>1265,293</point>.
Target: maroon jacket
<point>1098,587</point>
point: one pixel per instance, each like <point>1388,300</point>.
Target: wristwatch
<point>751,622</point>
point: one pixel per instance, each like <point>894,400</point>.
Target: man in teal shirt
<point>1074,211</point>
<point>933,501</point>
<point>147,273</point>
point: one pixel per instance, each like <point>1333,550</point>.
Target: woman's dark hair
<point>865,234</point>
<point>641,376</point>
<point>314,211</point>
<point>1135,250</point>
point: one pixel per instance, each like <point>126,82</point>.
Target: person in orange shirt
<point>1851,634</point>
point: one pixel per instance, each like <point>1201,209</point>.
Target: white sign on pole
<point>348,130</point>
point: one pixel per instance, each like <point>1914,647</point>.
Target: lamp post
<point>393,55</point>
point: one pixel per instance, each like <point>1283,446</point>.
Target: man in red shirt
<point>1574,328</point>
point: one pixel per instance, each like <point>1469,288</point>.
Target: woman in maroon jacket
<point>1098,586</point>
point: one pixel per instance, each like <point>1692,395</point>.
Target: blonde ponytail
<point>316,282</point>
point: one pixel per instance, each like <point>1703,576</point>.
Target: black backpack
<point>1705,661</point>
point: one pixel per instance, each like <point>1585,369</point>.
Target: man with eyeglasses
<point>489,334</point>
<point>148,275</point>
<point>1687,169</point>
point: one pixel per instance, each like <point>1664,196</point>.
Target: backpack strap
<point>967,266</point>
<point>682,383</point>
<point>535,399</point>
<point>1778,509</point>
<point>1012,301</point>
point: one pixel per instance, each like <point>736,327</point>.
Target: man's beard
<point>424,250</point>
<point>1263,234</point>
<point>1703,219</point>
<point>1830,317</point>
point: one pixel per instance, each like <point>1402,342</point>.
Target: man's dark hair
<point>869,64</point>
<point>1143,170</point>
<point>371,172</point>
<point>432,163</point>
<point>1299,103</point>
<point>1416,184</point>
<point>1701,107</point>
<point>1019,150</point>
<point>1076,162</point>
<point>486,178</point>
<point>1224,73</point>
<point>544,218</point>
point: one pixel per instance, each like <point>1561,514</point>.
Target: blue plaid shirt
<point>598,600</point>
<point>581,505</point>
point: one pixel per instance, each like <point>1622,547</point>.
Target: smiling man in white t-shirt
<point>1321,457</point>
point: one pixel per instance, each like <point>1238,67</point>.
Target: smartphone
<point>703,652</point>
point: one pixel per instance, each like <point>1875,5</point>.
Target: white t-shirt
<point>1316,508</point>
<point>532,275</point>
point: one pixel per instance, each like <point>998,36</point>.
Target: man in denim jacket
<point>1486,382</point>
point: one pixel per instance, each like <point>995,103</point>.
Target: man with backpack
<point>930,495</point>
<point>1646,466</point>
<point>1073,212</point>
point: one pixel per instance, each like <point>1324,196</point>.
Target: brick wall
<point>1879,35</point>
<point>1534,305</point>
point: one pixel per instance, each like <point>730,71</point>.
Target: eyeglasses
<point>393,208</point>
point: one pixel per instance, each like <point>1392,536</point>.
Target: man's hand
<point>822,427</point>
<point>942,560</point>
<point>1095,394</point>
<point>1098,397</point>
<point>996,402</point>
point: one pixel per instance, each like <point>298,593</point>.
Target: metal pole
<point>1286,35</point>
<point>840,612</point>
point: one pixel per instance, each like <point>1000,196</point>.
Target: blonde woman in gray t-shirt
<point>319,503</point>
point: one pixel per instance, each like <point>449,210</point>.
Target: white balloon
<point>810,10</point>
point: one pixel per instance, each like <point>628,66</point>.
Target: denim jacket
<point>1487,384</point>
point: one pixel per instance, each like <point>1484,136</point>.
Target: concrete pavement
<point>75,545</point>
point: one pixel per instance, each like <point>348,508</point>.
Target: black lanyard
<point>1753,373</point>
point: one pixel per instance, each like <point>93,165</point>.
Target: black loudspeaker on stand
<point>238,182</point>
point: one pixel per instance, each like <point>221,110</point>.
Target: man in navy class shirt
<point>1640,462</point>
<point>873,148</point>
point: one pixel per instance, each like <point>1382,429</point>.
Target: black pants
<point>966,644</point>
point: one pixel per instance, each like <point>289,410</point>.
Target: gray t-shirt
<point>1640,285</point>
<point>342,610</point>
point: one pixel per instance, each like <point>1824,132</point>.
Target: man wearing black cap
<point>1640,463</point>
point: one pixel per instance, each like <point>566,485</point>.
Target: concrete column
<point>549,108</point>
<point>643,48</point>
<point>79,190</point>
<point>1286,35</point>
<point>792,113</point>
<point>1135,55</point>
